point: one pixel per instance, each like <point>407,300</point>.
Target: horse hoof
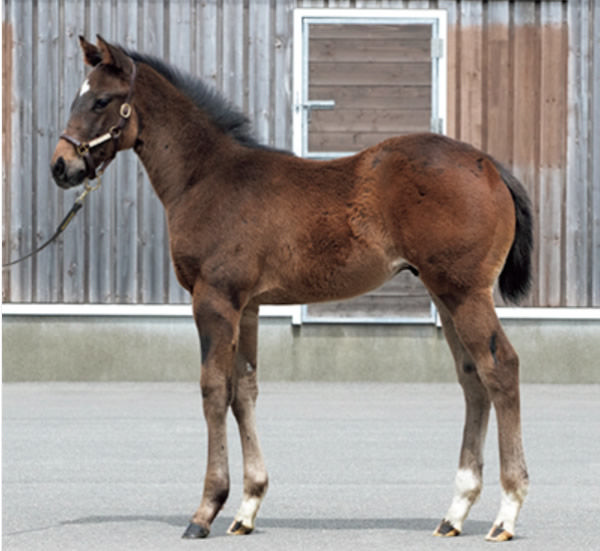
<point>446,530</point>
<point>195,531</point>
<point>238,529</point>
<point>498,533</point>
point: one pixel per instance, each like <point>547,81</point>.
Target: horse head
<point>102,119</point>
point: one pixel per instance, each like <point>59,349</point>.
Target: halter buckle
<point>88,187</point>
<point>125,110</point>
<point>115,132</point>
<point>83,149</point>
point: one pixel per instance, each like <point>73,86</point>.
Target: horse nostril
<point>59,168</point>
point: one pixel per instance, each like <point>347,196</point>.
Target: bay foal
<point>250,225</point>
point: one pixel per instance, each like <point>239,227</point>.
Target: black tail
<point>515,279</point>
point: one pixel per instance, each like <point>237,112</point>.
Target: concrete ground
<point>113,466</point>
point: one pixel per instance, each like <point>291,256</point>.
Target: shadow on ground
<point>221,524</point>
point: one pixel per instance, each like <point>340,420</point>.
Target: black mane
<point>223,113</point>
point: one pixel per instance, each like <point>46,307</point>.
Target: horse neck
<point>176,141</point>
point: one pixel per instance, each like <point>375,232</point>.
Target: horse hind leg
<point>243,407</point>
<point>468,481</point>
<point>497,366</point>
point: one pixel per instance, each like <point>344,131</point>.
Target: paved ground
<point>353,466</point>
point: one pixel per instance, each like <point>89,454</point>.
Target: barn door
<point>361,76</point>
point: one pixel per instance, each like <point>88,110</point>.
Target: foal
<point>250,225</point>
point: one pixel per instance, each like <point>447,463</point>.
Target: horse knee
<point>217,395</point>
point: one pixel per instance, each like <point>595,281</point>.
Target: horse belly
<point>330,272</point>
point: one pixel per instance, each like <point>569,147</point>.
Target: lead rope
<point>63,225</point>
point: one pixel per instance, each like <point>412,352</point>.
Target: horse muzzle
<point>68,173</point>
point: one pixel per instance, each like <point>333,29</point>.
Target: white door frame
<point>303,17</point>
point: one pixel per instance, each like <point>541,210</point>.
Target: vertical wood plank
<point>209,57</point>
<point>45,285</point>
<point>281,116</point>
<point>526,113</point>
<point>471,79</point>
<point>7,142</point>
<point>21,219</point>
<point>594,156</point>
<point>453,95</point>
<point>552,152</point>
<point>339,4</point>
<point>152,236</point>
<point>418,4</point>
<point>233,77</point>
<point>576,196</point>
<point>498,127</point>
<point>312,3</point>
<point>259,64</point>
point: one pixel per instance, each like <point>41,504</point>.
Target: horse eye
<point>101,103</point>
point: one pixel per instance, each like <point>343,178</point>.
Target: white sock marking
<point>248,510</point>
<point>467,488</point>
<point>509,509</point>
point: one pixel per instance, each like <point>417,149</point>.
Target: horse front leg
<point>243,407</point>
<point>218,327</point>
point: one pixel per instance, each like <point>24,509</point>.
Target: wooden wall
<point>523,84</point>
<point>116,250</point>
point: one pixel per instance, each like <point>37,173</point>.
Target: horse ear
<point>113,55</point>
<point>91,54</point>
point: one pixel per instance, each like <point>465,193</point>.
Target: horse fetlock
<point>255,489</point>
<point>216,492</point>
<point>503,528</point>
<point>212,503</point>
<point>467,487</point>
<point>220,497</point>
<point>245,518</point>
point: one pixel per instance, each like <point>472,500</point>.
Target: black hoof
<point>498,533</point>
<point>445,529</point>
<point>238,529</point>
<point>195,531</point>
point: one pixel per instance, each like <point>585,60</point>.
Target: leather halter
<point>83,149</point>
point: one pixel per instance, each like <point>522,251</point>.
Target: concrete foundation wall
<point>43,348</point>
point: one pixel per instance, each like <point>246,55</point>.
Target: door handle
<point>319,104</point>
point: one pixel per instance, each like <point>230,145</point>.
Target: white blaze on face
<point>85,87</point>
